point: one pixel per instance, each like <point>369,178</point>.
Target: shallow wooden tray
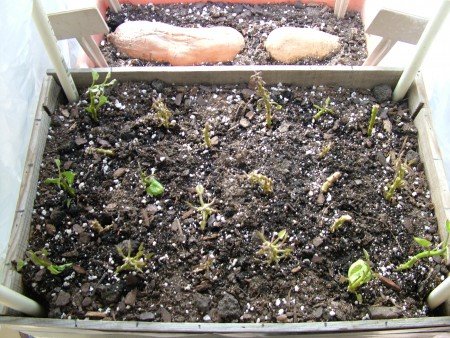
<point>350,77</point>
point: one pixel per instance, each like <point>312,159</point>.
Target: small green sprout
<point>323,109</point>
<point>439,251</point>
<point>96,92</point>
<point>20,264</point>
<point>373,116</point>
<point>359,274</point>
<point>264,98</point>
<point>325,150</point>
<point>162,113</point>
<point>133,263</point>
<point>206,135</point>
<point>273,249</point>
<point>332,179</point>
<point>397,183</point>
<point>263,181</point>
<point>64,181</point>
<point>340,222</point>
<point>152,186</point>
<point>100,151</point>
<point>39,258</point>
<point>205,208</point>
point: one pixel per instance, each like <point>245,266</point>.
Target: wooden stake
<point>340,8</point>
<point>114,5</point>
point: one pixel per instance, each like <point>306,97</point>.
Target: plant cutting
<point>274,250</point>
<point>163,114</point>
<point>96,92</point>
<point>133,263</point>
<point>264,182</point>
<point>64,181</point>
<point>330,181</point>
<point>39,258</point>
<point>152,186</point>
<point>204,209</point>
<point>373,116</point>
<point>321,110</point>
<point>100,151</point>
<point>397,183</point>
<point>264,101</point>
<point>340,222</point>
<point>206,135</point>
<point>438,251</point>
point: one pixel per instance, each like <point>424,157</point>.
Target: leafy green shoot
<point>373,116</point>
<point>397,183</point>
<point>204,209</point>
<point>438,251</point>
<point>340,222</point>
<point>325,109</point>
<point>265,183</point>
<point>96,92</point>
<point>152,186</point>
<point>64,181</point>
<point>274,249</point>
<point>359,274</point>
<point>264,101</point>
<point>162,113</point>
<point>39,258</point>
<point>133,263</point>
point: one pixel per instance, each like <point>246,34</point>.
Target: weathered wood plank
<point>344,76</point>
<point>114,5</point>
<point>423,327</point>
<point>21,226</point>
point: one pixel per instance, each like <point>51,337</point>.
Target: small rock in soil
<point>165,315</point>
<point>244,123</point>
<point>110,294</point>
<point>382,93</point>
<point>147,316</point>
<point>282,319</point>
<point>95,314</point>
<point>317,313</point>
<point>50,228</point>
<point>62,299</point>
<point>57,217</point>
<point>130,298</point>
<point>38,276</point>
<point>79,269</point>
<point>228,308</point>
<point>384,312</point>
<point>202,302</point>
<point>119,172</point>
<point>86,301</point>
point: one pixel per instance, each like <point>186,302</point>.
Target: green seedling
<point>325,109</point>
<point>273,249</point>
<point>64,181</point>
<point>133,263</point>
<point>263,181</point>
<point>439,251</point>
<point>325,150</point>
<point>39,258</point>
<point>152,186</point>
<point>359,274</point>
<point>373,116</point>
<point>206,135</point>
<point>100,151</point>
<point>162,113</point>
<point>340,222</point>
<point>205,208</point>
<point>96,92</point>
<point>264,101</point>
<point>332,179</point>
<point>397,183</point>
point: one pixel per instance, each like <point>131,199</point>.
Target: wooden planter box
<point>351,77</point>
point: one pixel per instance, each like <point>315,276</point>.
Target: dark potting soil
<point>254,22</point>
<point>216,274</point>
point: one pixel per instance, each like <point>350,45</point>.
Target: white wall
<point>435,69</point>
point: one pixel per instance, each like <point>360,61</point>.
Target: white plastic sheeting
<point>23,62</point>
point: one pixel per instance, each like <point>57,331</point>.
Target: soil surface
<point>254,22</point>
<point>216,274</point>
